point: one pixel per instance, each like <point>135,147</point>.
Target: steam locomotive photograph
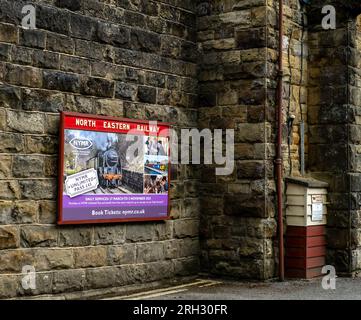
<point>105,153</point>
<point>109,169</point>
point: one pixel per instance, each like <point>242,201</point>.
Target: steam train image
<point>109,169</point>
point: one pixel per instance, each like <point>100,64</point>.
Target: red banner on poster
<point>112,125</point>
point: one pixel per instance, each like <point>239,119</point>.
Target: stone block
<point>28,166</point>
<point>10,190</point>
<point>247,205</point>
<point>74,65</point>
<point>163,230</point>
<point>38,236</point>
<point>80,103</point>
<point>8,286</point>
<point>73,5</point>
<point>42,100</point>
<point>9,237</point>
<point>252,248</point>
<point>51,166</point>
<point>147,94</point>
<point>113,34</point>
<point>191,188</point>
<point>250,132</point>
<point>102,277</point>
<point>251,38</point>
<point>14,260</point>
<point>251,169</point>
<point>55,80</point>
<point>186,266</point>
<point>8,33</point>
<point>47,212</point>
<point>90,257</point>
<point>24,76</point>
<point>69,280</point>
<point>149,252</point>
<point>32,38</point>
<point>124,254</point>
<point>11,142</point>
<point>5,50</point>
<point>44,285</point>
<point>38,189</point>
<point>60,43</point>
<point>46,59</point>
<point>83,27</point>
<point>97,87</point>
<point>155,79</point>
<point>52,19</point>
<point>25,122</point>
<point>181,248</point>
<point>186,228</point>
<point>109,234</point>
<point>212,205</point>
<point>5,166</point>
<point>22,212</point>
<point>52,259</point>
<point>21,55</point>
<point>51,125</point>
<point>111,107</point>
<point>175,209</point>
<point>10,96</point>
<point>75,237</point>
<point>139,232</point>
<point>125,91</point>
<point>107,70</point>
<point>6,207</point>
<point>41,144</point>
<point>94,50</point>
<point>144,41</point>
<point>153,271</point>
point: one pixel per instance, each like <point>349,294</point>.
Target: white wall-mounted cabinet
<point>306,202</point>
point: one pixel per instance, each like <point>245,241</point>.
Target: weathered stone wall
<point>132,179</point>
<point>238,56</point>
<point>355,136</point>
<point>206,64</point>
<point>130,58</point>
<point>333,114</point>
<point>295,61</point>
<point>327,113</point>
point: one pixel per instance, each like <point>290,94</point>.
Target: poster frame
<point>60,220</point>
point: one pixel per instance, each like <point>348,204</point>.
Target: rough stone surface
<point>206,64</point>
<point>233,83</point>
<point>9,237</point>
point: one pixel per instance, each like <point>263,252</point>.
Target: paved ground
<point>205,289</point>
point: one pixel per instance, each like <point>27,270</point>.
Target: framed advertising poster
<point>112,170</point>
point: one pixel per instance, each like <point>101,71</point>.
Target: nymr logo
<point>81,144</point>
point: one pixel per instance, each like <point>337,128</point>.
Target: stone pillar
<point>237,220</point>
<point>334,132</point>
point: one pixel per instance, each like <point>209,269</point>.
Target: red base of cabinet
<point>305,251</point>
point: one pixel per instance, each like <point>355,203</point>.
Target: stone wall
<point>355,136</point>
<point>295,61</point>
<point>132,179</point>
<point>238,79</point>
<point>130,58</point>
<point>237,89</point>
<point>237,68</point>
<point>206,64</point>
<point>333,96</point>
